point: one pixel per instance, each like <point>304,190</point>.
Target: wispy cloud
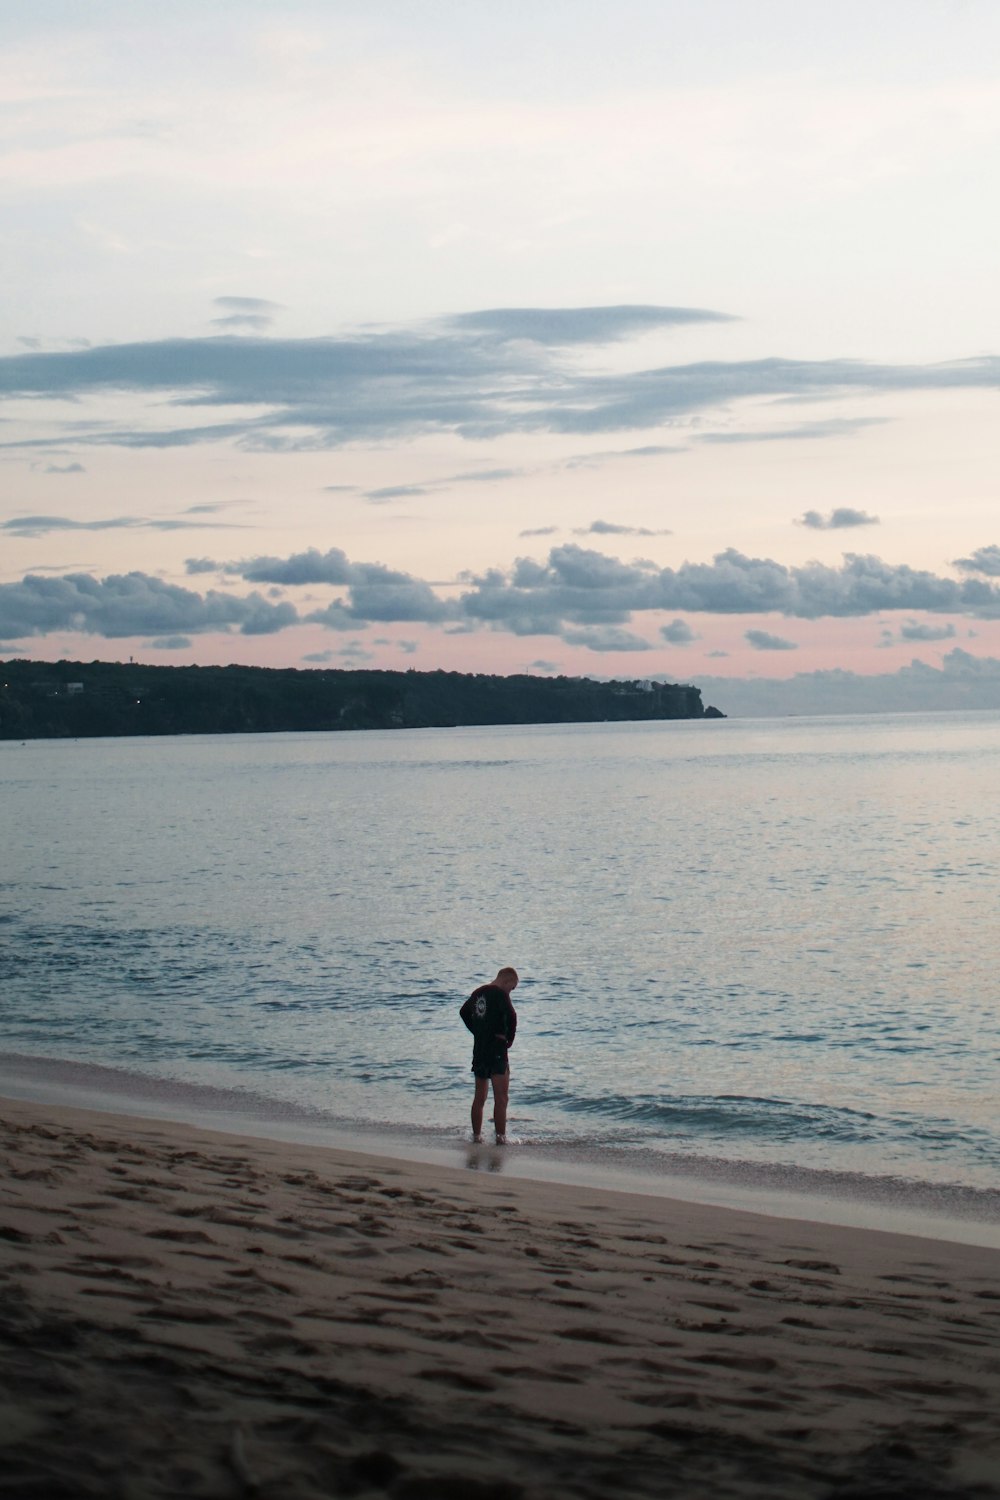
<point>609,455</point>
<point>442,482</point>
<point>559,326</point>
<point>480,375</point>
<point>606,638</point>
<point>396,492</point>
<point>33,526</point>
<point>482,476</point>
<point>833,427</point>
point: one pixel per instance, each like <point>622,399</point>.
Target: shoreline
<point>190,1311</point>
<point>931,1211</point>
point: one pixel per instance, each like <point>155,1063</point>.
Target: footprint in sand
<point>421,1278</point>
<point>181,1236</point>
<point>463,1380</point>
<point>593,1335</point>
<point>755,1364</point>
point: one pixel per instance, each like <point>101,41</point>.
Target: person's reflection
<point>484,1158</point>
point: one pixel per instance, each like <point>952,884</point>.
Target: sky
<point>655,339</point>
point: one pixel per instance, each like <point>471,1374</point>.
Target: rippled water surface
<point>769,941</point>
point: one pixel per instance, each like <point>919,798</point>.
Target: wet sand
<point>189,1313</point>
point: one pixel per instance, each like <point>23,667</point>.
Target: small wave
<point>735,1117</point>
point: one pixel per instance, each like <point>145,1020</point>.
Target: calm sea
<point>762,948</point>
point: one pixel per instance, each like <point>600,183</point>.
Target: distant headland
<point>69,699</point>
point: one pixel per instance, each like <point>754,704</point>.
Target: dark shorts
<point>490,1064</point>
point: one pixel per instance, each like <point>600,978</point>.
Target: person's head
<point>506,980</point>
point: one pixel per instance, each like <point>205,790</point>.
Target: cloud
<point>839,519</point>
<point>335,616</point>
<point>962,681</point>
<point>762,640</point>
<point>575,588</point>
<point>479,374</point>
<point>170,643</point>
<point>541,665</point>
<point>354,651</point>
<point>578,586</point>
<point>539,531</point>
<point>379,593</point>
<point>983,560</point>
<point>65,469</point>
<point>307,567</point>
<point>611,528</point>
<point>246,312</point>
<point>374,592</point>
<point>555,326</point>
<point>482,476</point>
<point>575,593</point>
<point>916,630</point>
<point>678,633</point>
<point>130,604</point>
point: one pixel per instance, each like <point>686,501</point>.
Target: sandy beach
<point>189,1313</point>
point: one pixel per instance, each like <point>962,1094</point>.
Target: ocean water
<point>764,948</point>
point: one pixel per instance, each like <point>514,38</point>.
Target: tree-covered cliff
<point>42,700</point>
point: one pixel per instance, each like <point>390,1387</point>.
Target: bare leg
<point>479,1100</point>
<point>501,1093</point>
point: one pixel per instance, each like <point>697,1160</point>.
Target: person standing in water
<point>492,1020</point>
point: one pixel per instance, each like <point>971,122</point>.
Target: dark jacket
<point>492,1020</point>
